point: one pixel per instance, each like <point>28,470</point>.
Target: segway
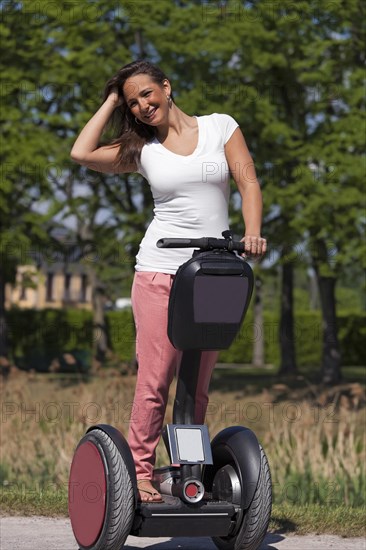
<point>220,489</point>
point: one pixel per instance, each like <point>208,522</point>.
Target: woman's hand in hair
<point>115,97</point>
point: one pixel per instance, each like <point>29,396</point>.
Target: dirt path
<point>40,533</point>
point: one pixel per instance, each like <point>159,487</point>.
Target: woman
<point>186,160</point>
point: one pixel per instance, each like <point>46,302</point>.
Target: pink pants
<point>158,361</point>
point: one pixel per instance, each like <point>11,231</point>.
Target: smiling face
<point>146,99</point>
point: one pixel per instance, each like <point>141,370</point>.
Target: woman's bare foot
<point>147,493</point>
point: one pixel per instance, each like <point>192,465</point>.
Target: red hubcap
<point>87,494</point>
<point>191,490</point>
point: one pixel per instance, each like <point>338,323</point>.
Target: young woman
<point>187,161</point>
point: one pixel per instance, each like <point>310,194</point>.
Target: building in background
<point>55,285</point>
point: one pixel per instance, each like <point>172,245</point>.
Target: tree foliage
<point>291,73</point>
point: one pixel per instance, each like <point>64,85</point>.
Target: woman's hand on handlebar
<point>255,246</point>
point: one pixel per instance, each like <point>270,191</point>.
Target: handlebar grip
<point>204,243</point>
<point>181,243</point>
<point>238,246</point>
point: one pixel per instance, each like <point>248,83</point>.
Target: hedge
<point>48,330</point>
<point>53,331</point>
<point>308,335</point>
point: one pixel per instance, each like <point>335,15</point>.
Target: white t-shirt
<point>191,193</point>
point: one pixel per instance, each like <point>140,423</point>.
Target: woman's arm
<point>85,150</point>
<point>243,171</point>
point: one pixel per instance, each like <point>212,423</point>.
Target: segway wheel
<point>253,522</point>
<point>101,494</point>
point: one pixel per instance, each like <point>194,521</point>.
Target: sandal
<point>151,493</point>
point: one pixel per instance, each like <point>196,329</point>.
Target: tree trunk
<point>100,343</point>
<point>258,344</point>
<point>3,327</point>
<point>287,339</point>
<point>313,291</point>
<point>331,357</point>
<point>140,44</point>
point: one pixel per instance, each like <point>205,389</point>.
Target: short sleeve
<point>227,125</point>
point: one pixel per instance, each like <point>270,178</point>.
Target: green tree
<point>294,80</point>
<point>27,147</point>
<point>108,212</point>
<point>269,65</point>
<point>330,184</point>
<point>57,59</point>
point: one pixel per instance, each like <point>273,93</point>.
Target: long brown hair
<point>131,135</point>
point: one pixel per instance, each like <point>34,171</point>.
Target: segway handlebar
<point>204,243</point>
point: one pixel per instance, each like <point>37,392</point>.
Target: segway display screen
<point>189,443</point>
<point>219,298</point>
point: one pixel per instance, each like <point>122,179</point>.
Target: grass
<point>314,438</point>
<point>312,518</point>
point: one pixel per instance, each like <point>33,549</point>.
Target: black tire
<point>120,494</point>
<point>256,518</point>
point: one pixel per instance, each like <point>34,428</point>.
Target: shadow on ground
<point>204,543</point>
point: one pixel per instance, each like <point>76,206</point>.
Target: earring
<point>169,100</point>
<point>137,121</point>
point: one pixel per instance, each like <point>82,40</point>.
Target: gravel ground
<point>40,533</point>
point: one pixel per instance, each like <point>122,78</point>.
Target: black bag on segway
<point>208,300</point>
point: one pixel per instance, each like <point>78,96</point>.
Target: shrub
<point>52,332</point>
